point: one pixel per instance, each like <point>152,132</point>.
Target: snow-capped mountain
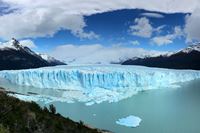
<point>15,56</point>
<point>190,48</point>
<point>188,58</point>
<point>50,59</point>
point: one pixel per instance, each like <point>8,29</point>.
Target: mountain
<point>51,60</point>
<point>14,56</point>
<point>188,58</point>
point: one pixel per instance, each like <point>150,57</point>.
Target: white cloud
<point>38,18</point>
<point>192,26</point>
<point>40,23</point>
<point>98,53</point>
<point>167,39</point>
<point>89,7</point>
<point>152,15</point>
<point>142,28</point>
<point>163,40</point>
<point>28,43</point>
<point>135,43</point>
<point>159,29</point>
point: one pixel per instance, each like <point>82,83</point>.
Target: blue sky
<point>114,27</point>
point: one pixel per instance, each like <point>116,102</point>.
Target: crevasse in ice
<point>109,77</point>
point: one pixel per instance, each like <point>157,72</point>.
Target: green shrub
<point>3,129</point>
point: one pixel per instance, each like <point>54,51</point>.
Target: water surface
<point>162,111</point>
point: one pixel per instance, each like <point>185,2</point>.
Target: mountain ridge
<point>14,56</point>
<point>188,58</point>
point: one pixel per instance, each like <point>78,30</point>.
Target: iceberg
<point>130,121</point>
<point>96,83</point>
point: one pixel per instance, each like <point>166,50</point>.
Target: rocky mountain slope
<point>188,58</point>
<point>14,56</point>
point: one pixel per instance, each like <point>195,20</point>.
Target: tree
<point>3,129</point>
<point>80,125</point>
<point>52,109</point>
<point>45,109</point>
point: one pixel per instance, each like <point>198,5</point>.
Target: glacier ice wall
<point>111,77</point>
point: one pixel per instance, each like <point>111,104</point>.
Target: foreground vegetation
<point>24,117</point>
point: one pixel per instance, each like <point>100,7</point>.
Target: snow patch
<point>47,58</point>
<point>7,45</point>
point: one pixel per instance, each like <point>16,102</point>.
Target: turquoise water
<point>162,111</point>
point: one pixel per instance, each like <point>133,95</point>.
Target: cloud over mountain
<point>97,53</point>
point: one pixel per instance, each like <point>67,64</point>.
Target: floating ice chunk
<point>41,98</point>
<point>25,97</point>
<point>89,103</point>
<point>130,121</point>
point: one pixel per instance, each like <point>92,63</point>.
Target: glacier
<point>98,83</point>
<point>110,77</point>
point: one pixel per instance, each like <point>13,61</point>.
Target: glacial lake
<point>169,110</point>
